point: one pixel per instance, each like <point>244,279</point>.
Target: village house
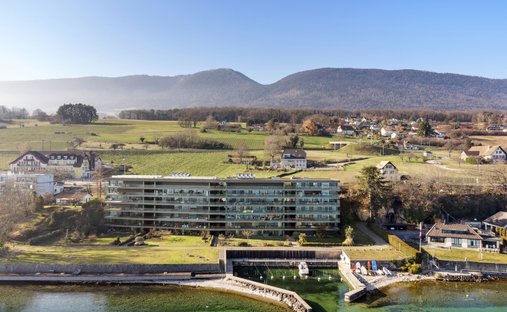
<point>485,153</point>
<point>461,236</point>
<point>388,171</point>
<point>346,130</point>
<point>75,164</point>
<point>293,158</point>
<point>73,198</point>
<point>386,132</point>
<point>496,221</point>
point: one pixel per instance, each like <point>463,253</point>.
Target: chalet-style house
<point>461,236</point>
<point>388,171</point>
<point>293,158</point>
<point>496,221</point>
<point>346,130</point>
<point>74,164</point>
<point>485,153</point>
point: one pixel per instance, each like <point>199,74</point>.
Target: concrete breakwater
<point>290,298</point>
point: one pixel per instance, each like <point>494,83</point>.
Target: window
<point>473,243</point>
<point>456,241</point>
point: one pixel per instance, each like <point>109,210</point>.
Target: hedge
<point>395,241</point>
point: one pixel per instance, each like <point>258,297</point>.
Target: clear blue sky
<point>266,40</point>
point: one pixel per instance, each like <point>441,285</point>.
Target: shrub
<point>243,244</point>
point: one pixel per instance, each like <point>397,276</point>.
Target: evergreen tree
<point>375,190</point>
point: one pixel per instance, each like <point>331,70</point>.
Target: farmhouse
<point>346,130</point>
<point>293,158</point>
<point>460,236</point>
<point>388,170</point>
<point>74,164</point>
<point>485,153</point>
<point>192,204</point>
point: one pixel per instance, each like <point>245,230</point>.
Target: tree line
<point>263,115</point>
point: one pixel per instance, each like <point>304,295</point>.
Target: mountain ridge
<point>321,88</point>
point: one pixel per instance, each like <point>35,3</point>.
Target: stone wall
<point>25,268</point>
<point>471,266</point>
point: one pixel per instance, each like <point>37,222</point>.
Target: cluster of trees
<point>263,115</point>
<point>16,204</point>
<point>76,114</point>
<point>13,113</point>
<point>189,139</point>
<point>374,197</point>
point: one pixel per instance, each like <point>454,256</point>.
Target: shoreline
<point>222,283</point>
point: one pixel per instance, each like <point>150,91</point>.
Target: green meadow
<point>142,158</point>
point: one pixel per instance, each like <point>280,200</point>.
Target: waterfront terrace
<point>188,204</point>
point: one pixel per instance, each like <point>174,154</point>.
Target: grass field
<point>41,135</point>
<point>150,159</point>
<point>466,255</point>
<point>111,255</point>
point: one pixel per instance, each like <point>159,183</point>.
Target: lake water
<point>323,291</point>
<point>125,298</point>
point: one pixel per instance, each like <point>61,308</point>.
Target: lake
<point>323,290</point>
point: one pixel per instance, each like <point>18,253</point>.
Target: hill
<point>325,88</point>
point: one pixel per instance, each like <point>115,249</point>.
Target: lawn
<point>111,255</point>
<point>177,241</point>
<point>457,254</point>
<point>385,254</point>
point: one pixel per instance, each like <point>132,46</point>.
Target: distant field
<point>491,140</point>
<point>201,163</point>
<point>39,135</point>
<point>150,159</point>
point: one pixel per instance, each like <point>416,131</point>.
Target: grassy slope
<point>16,137</point>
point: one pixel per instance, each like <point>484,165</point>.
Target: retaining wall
<point>471,266</point>
<point>28,268</point>
<point>289,254</point>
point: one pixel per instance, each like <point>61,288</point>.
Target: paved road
<point>366,230</point>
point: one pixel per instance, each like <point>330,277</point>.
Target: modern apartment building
<point>191,204</point>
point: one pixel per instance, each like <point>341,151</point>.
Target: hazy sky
<point>265,40</point>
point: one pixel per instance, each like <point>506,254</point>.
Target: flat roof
<point>211,178</point>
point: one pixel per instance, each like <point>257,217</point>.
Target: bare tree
<point>273,145</point>
<point>247,233</point>
<point>16,204</point>
<point>241,151</point>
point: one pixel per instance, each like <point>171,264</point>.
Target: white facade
<point>293,163</point>
<point>449,242</point>
<point>38,183</point>
<point>388,171</point>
